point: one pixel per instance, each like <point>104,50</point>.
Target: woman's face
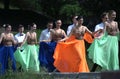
<point>34,27</point>
<point>112,16</point>
<point>58,23</point>
<point>8,28</point>
<point>80,21</point>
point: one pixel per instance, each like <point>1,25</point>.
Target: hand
<point>18,47</point>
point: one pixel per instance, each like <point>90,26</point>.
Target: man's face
<point>50,25</point>
<point>74,20</point>
<point>21,29</point>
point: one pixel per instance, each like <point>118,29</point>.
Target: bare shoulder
<point>35,33</point>
<point>84,27</point>
<point>107,24</point>
<point>27,33</point>
<point>2,34</point>
<point>62,30</point>
<point>52,30</point>
<point>116,22</point>
<point>11,34</point>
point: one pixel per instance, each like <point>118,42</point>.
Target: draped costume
<point>104,51</point>
<point>27,56</point>
<point>7,56</point>
<point>70,56</point>
<point>46,51</point>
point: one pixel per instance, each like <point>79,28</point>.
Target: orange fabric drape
<point>70,56</point>
<point>87,37</point>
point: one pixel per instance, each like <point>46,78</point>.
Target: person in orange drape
<point>70,55</point>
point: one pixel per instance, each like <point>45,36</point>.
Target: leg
<point>11,52</point>
<point>94,67</point>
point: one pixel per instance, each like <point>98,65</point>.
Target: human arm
<point>88,31</point>
<point>13,40</point>
<point>36,42</point>
<point>1,37</point>
<point>117,27</point>
<point>65,36</point>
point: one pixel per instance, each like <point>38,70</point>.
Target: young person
<point>29,56</point>
<point>46,50</point>
<point>104,51</point>
<point>70,55</point>
<point>7,49</point>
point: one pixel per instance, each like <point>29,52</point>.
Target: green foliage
<point>70,9</point>
<point>38,31</point>
<point>57,8</point>
<point>1,5</point>
<point>24,4</point>
<point>53,8</point>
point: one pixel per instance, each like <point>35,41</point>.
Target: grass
<point>41,75</point>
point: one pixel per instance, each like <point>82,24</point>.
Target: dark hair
<point>31,25</point>
<point>20,26</point>
<point>74,16</point>
<point>79,17</point>
<point>50,21</point>
<point>6,25</point>
<point>111,11</point>
<point>103,14</point>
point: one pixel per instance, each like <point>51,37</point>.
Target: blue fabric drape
<point>46,52</point>
<point>6,54</point>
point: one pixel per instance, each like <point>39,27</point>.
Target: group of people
<point>104,49</point>
<point>19,48</point>
<point>58,51</point>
